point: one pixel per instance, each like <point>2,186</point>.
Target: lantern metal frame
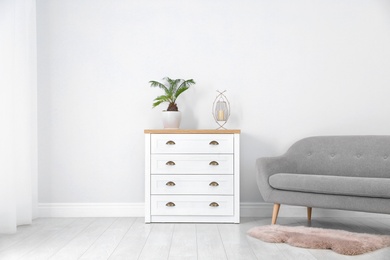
<point>221,109</point>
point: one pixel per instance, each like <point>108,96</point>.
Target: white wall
<point>291,69</point>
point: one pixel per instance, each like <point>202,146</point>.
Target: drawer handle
<point>213,143</point>
<point>170,204</point>
<point>214,204</point>
<point>214,163</point>
<point>170,183</point>
<point>214,184</point>
<point>170,142</point>
<point>170,163</point>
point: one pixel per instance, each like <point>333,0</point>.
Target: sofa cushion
<point>354,156</point>
<point>328,184</point>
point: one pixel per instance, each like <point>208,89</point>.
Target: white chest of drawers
<point>192,176</point>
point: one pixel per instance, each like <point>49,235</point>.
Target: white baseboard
<point>56,210</point>
<point>248,209</point>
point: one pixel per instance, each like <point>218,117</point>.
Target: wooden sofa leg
<point>275,213</point>
<point>309,213</point>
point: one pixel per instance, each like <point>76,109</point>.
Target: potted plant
<point>172,90</point>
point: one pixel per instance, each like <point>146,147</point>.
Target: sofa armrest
<point>268,166</point>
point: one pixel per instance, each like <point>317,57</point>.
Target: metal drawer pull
<point>170,163</point>
<point>214,184</point>
<point>170,183</point>
<point>213,143</point>
<point>170,204</point>
<point>214,204</point>
<point>214,163</point>
<point>170,142</point>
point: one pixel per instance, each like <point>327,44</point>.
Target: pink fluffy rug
<point>342,242</point>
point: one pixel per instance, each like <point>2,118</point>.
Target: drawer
<point>191,164</point>
<point>192,184</point>
<point>181,205</point>
<point>192,143</point>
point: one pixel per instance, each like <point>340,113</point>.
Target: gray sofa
<point>336,172</point>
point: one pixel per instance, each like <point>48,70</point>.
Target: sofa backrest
<point>364,156</point>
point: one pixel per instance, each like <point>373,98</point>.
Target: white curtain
<point>18,111</point>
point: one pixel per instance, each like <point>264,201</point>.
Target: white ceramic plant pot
<point>171,119</point>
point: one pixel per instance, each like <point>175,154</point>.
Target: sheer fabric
<point>18,111</point>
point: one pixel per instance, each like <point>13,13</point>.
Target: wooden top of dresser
<point>191,131</point>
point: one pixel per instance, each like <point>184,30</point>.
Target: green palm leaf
<point>161,99</point>
<point>183,87</point>
<point>158,84</point>
<point>172,85</point>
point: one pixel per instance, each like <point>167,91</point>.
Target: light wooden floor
<point>130,238</point>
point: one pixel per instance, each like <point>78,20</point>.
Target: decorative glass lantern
<point>221,109</point>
